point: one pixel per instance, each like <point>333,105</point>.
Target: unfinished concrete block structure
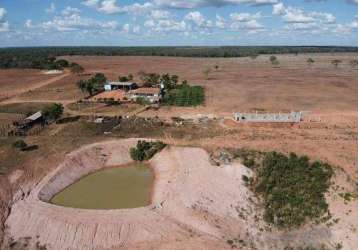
<point>268,117</point>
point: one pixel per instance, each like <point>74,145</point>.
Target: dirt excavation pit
<point>194,205</point>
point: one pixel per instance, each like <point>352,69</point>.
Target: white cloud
<point>29,24</point>
<point>2,13</point>
<point>90,3</point>
<point>126,28</point>
<point>160,14</point>
<point>297,15</point>
<point>51,9</point>
<point>279,9</point>
<point>354,25</point>
<point>196,17</point>
<point>70,11</point>
<point>220,22</point>
<point>190,4</point>
<point>4,25</point>
<point>165,26</point>
<point>246,21</point>
<point>111,7</point>
<point>76,22</point>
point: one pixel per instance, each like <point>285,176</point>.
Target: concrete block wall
<point>268,117</point>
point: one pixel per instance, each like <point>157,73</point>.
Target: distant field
<point>241,84</point>
<point>13,81</point>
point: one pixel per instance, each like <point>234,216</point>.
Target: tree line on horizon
<point>44,57</point>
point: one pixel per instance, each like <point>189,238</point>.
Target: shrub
<point>293,189</point>
<point>52,112</point>
<point>249,162</point>
<point>146,150</point>
<point>19,144</point>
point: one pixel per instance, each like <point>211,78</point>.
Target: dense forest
<point>43,57</point>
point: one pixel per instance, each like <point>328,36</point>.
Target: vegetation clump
<point>293,189</point>
<point>52,112</point>
<point>93,85</point>
<point>185,95</point>
<point>125,78</point>
<point>175,94</point>
<point>146,150</point>
<point>20,144</point>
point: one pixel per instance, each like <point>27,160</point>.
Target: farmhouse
<point>125,86</point>
<point>268,117</point>
<point>153,95</point>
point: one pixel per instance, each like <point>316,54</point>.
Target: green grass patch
<point>293,189</point>
<point>185,96</point>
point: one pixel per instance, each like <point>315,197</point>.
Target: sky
<point>178,22</point>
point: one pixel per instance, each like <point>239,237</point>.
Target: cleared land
<point>16,81</point>
<point>246,84</point>
<point>239,84</point>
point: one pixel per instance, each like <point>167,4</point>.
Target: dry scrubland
<point>239,84</point>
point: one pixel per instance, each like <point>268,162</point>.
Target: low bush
<point>293,189</point>
<point>20,144</point>
<point>52,112</point>
<point>146,150</point>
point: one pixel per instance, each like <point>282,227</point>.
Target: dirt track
<point>11,96</point>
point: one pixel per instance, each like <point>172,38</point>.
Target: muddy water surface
<point>114,188</point>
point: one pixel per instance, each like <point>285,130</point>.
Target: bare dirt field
<point>241,84</point>
<point>17,81</point>
<point>329,133</point>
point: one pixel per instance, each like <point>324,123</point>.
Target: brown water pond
<point>113,188</point>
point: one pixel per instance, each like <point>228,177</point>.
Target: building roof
<point>121,83</point>
<point>115,94</point>
<point>35,116</point>
<point>146,91</point>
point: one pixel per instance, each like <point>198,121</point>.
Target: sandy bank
<point>195,205</point>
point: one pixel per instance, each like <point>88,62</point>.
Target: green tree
<point>336,62</point>
<point>52,112</point>
<point>62,63</point>
<point>310,61</point>
<point>99,78</point>
<point>20,144</point>
<point>274,61</point>
<point>151,79</point>
<point>76,68</point>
